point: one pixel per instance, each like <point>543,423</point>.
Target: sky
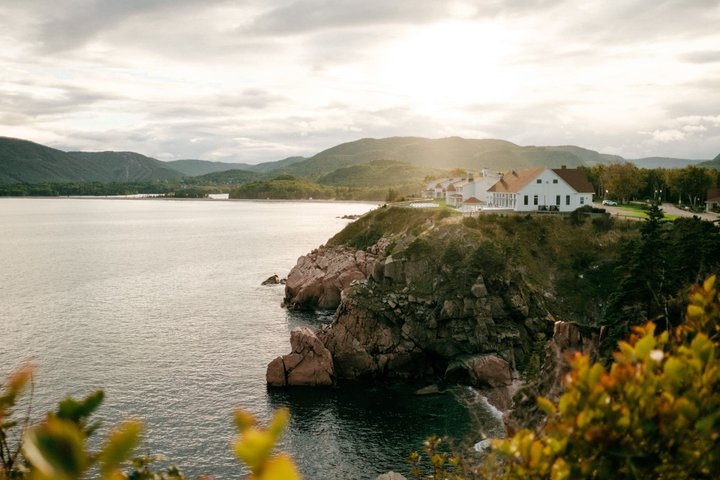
<point>253,81</point>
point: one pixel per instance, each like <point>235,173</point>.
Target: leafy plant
<point>655,413</point>
<point>57,448</point>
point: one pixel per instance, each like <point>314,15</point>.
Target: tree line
<point>624,182</point>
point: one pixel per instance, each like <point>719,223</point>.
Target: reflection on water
<point>375,426</point>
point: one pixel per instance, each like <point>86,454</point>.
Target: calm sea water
<point>160,304</point>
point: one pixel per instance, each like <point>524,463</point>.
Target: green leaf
<point>56,450</point>
<point>77,411</point>
<point>119,446</point>
<point>644,346</point>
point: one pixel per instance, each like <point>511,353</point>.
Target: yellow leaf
<point>254,447</point>
<point>560,470</point>
<point>119,446</point>
<point>280,468</point>
<point>546,405</point>
<point>243,419</point>
<point>709,283</point>
<point>278,422</point>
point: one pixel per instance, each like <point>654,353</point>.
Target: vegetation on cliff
<point>567,261</point>
<point>655,413</point>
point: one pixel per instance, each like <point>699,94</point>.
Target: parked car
<point>609,203</point>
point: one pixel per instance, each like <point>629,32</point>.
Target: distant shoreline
<point>262,200</point>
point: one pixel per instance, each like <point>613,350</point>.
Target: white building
<point>541,189</point>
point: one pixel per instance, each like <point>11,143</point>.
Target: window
<point>535,199</point>
<point>554,180</point>
<point>567,199</point>
<point>539,180</point>
<point>525,200</point>
<point>557,200</point>
<point>582,200</point>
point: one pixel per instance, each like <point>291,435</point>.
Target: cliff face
<point>388,328</point>
<point>445,299</point>
<point>415,314</point>
<point>318,279</point>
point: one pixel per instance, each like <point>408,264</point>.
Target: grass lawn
<point>636,210</point>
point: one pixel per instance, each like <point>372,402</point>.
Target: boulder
<point>567,336</point>
<point>273,280</point>
<point>481,371</point>
<point>317,280</point>
<point>309,363</point>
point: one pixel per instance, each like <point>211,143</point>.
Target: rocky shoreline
<point>408,316</point>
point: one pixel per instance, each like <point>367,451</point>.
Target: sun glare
<point>450,65</point>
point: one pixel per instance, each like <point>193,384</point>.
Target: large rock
<point>317,280</point>
<point>480,371</point>
<point>309,363</point>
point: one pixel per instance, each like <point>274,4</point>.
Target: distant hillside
<point>445,153</point>
<point>229,177</point>
<point>664,162</point>
<point>27,162</point>
<point>714,163</point>
<point>379,173</point>
<point>194,168</point>
<point>126,167</point>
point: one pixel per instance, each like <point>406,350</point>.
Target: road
<point>668,208</point>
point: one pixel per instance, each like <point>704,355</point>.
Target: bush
<point>654,414</point>
<point>57,449</point>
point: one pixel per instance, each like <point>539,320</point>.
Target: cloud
<point>704,56</point>
<point>255,81</point>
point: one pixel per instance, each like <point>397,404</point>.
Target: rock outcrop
<point>477,336</point>
<point>273,280</point>
<point>308,364</point>
<point>317,280</point>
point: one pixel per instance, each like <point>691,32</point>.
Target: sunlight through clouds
<point>294,77</point>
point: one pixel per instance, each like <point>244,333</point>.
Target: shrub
<point>654,414</point>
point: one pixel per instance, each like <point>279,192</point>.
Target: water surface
<point>159,303</point>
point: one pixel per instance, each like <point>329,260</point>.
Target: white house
<point>541,189</point>
<point>477,188</point>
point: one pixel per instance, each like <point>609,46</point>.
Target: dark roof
<point>575,178</point>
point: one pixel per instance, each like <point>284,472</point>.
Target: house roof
<point>515,180</point>
<point>472,200</point>
<point>713,194</point>
<point>575,178</point>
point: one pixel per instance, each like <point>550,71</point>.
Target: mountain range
<point>381,161</point>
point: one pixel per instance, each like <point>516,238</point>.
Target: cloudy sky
<point>252,80</point>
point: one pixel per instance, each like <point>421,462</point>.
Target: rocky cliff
<point>442,298</point>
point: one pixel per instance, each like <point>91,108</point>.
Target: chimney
<point>563,167</point>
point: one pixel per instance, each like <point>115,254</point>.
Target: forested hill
<point>193,168</point>
<point>446,153</point>
<point>22,161</point>
<point>714,163</point>
<point>366,162</point>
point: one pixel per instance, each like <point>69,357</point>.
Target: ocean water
<point>159,303</point>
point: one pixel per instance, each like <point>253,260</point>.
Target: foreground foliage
<point>655,413</point>
<point>57,448</point>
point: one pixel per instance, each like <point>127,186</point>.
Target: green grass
<point>637,210</point>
